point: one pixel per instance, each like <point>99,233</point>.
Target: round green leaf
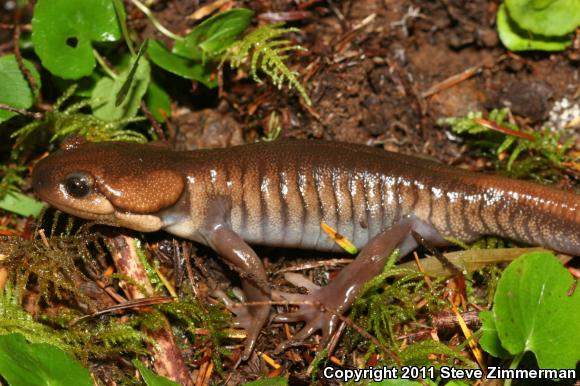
<point>517,39</point>
<point>534,311</point>
<point>63,32</point>
<point>545,17</point>
<point>489,340</point>
<point>15,90</point>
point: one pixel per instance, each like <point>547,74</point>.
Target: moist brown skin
<point>278,194</point>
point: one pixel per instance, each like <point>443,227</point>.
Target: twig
<point>447,264</point>
<point>274,17</point>
<point>451,81</point>
<point>18,54</point>
<point>4,106</point>
<point>23,27</point>
<point>502,129</point>
<point>207,9</point>
<point>104,65</point>
<point>136,303</point>
<point>156,126</point>
<point>154,21</point>
<point>318,264</point>
<point>168,360</point>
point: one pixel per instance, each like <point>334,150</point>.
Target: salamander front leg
<point>231,247</point>
<point>320,308</point>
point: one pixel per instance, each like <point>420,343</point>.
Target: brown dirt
<point>367,83</point>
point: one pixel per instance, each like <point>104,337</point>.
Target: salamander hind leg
<point>320,308</point>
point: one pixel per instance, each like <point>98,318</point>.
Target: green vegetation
<point>50,266</point>
<point>388,301</point>
<point>109,90</point>
<point>99,81</point>
<point>267,52</point>
<point>277,381</point>
<point>38,364</point>
<point>498,136</point>
<point>150,378</point>
<point>534,307</point>
<point>544,25</point>
<point>15,91</point>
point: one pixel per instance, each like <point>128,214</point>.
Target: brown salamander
<point>279,193</point>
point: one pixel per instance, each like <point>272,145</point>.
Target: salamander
<point>279,193</point>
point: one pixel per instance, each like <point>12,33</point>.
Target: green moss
<point>64,122</point>
<point>520,153</point>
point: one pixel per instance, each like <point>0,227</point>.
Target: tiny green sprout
<point>544,25</point>
<point>274,128</point>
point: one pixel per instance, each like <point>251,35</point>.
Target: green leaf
<point>122,20</point>
<point>517,39</point>
<point>276,381</point>
<point>490,341</point>
<point>177,65</point>
<point>545,17</point>
<point>158,102</point>
<point>24,364</point>
<point>150,378</point>
<point>104,97</point>
<point>63,31</point>
<point>84,86</point>
<point>214,35</point>
<point>21,204</point>
<point>534,312</point>
<point>15,90</point>
<point>124,91</point>
<point>397,382</point>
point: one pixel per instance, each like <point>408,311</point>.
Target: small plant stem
<point>502,129</point>
<point>104,65</point>
<point>514,365</point>
<point>154,21</point>
<point>4,106</point>
<point>18,55</point>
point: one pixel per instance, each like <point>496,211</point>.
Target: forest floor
<point>381,73</point>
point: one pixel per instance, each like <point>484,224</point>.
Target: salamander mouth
<point>75,210</point>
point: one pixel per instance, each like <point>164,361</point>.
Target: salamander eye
<point>78,184</point>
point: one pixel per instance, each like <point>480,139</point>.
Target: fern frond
<point>266,51</point>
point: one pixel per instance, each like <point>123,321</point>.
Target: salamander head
<point>117,183</point>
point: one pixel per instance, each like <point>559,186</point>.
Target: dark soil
<point>368,84</point>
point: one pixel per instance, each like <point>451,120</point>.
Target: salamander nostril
<point>38,180</point>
